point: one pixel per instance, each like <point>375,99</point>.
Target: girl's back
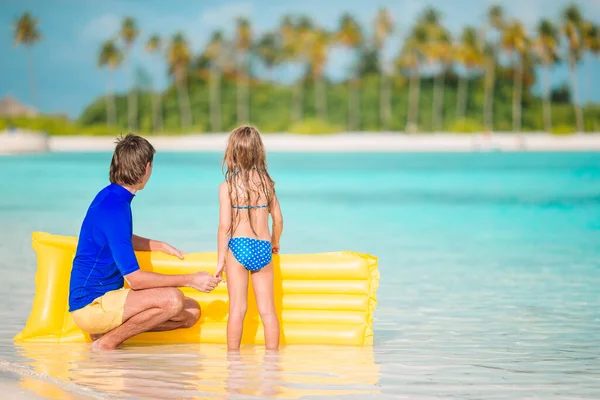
<point>251,195</point>
<point>245,245</point>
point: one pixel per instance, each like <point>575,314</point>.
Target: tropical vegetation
<point>479,79</point>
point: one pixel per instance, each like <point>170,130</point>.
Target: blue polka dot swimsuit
<point>253,254</point>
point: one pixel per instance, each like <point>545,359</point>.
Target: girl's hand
<point>275,247</point>
<point>219,271</point>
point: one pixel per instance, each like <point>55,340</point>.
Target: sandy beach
<point>353,142</point>
<point>343,142</point>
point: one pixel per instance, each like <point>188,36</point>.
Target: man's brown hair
<point>128,165</point>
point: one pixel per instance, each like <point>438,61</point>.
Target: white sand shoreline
<point>354,142</point>
<point>343,142</point>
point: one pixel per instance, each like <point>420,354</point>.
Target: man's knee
<point>192,310</point>
<point>172,301</point>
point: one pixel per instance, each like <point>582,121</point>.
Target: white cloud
<point>224,16</point>
<point>101,28</point>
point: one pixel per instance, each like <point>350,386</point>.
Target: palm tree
<point>384,26</point>
<point>350,36</point>
<point>495,20</point>
<point>572,23</point>
<point>438,50</point>
<point>269,50</point>
<point>303,36</point>
<point>154,46</point>
<point>444,54</point>
<point>110,56</point>
<point>319,48</point>
<point>290,53</point>
<point>470,56</point>
<point>178,58</point>
<point>591,42</point>
<point>546,47</point>
<point>516,44</point>
<point>243,43</point>
<point>26,33</point>
<point>129,32</point>
<point>411,57</point>
<point>215,53</point>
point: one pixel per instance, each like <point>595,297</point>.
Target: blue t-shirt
<point>104,252</point>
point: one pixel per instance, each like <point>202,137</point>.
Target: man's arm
<point>120,241</point>
<point>201,281</point>
<point>142,244</point>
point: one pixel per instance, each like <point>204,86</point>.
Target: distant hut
<point>11,108</point>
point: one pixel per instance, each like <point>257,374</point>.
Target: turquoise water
<point>490,274</point>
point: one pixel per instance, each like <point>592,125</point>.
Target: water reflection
<point>199,371</point>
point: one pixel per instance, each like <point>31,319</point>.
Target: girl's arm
<point>277,224</point>
<point>224,225</point>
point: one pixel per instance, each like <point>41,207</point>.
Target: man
<point>105,257</point>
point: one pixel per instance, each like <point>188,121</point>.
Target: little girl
<point>245,245</point>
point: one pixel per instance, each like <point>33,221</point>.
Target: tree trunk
<point>547,104</point>
<point>272,75</point>
<point>156,112</point>
<point>353,106</point>
<point>589,86</point>
<point>31,74</point>
<point>438,100</point>
<point>441,103</point>
<point>575,95</point>
<point>111,109</point>
<point>488,105</point>
<point>297,100</point>
<point>320,99</point>
<point>413,101</point>
<point>215,99</point>
<point>242,93</point>
<point>131,99</point>
<point>461,101</point>
<point>184,102</point>
<point>517,92</point>
<point>384,100</point>
<point>132,108</point>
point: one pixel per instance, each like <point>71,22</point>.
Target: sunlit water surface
<point>490,275</point>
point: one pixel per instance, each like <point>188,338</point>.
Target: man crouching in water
<point>105,256</point>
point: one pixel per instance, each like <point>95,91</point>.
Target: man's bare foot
<point>100,345</point>
<point>96,336</point>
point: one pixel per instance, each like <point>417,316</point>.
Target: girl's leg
<point>237,289</point>
<point>262,281</point>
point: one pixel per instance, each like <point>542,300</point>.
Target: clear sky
<point>68,78</point>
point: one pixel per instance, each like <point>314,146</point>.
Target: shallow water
<point>490,269</point>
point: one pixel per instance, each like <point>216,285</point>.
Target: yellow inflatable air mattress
<point>326,298</point>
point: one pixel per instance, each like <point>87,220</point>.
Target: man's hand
<point>168,249</point>
<point>204,282</point>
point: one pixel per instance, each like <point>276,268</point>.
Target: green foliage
<point>50,125</point>
<point>271,107</point>
<point>57,126</point>
<point>315,126</point>
<point>466,125</point>
<point>563,129</point>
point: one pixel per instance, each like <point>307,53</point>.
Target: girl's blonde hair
<point>245,170</point>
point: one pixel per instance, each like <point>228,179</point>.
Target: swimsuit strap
<point>248,207</point>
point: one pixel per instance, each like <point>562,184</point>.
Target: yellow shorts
<point>103,314</point>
